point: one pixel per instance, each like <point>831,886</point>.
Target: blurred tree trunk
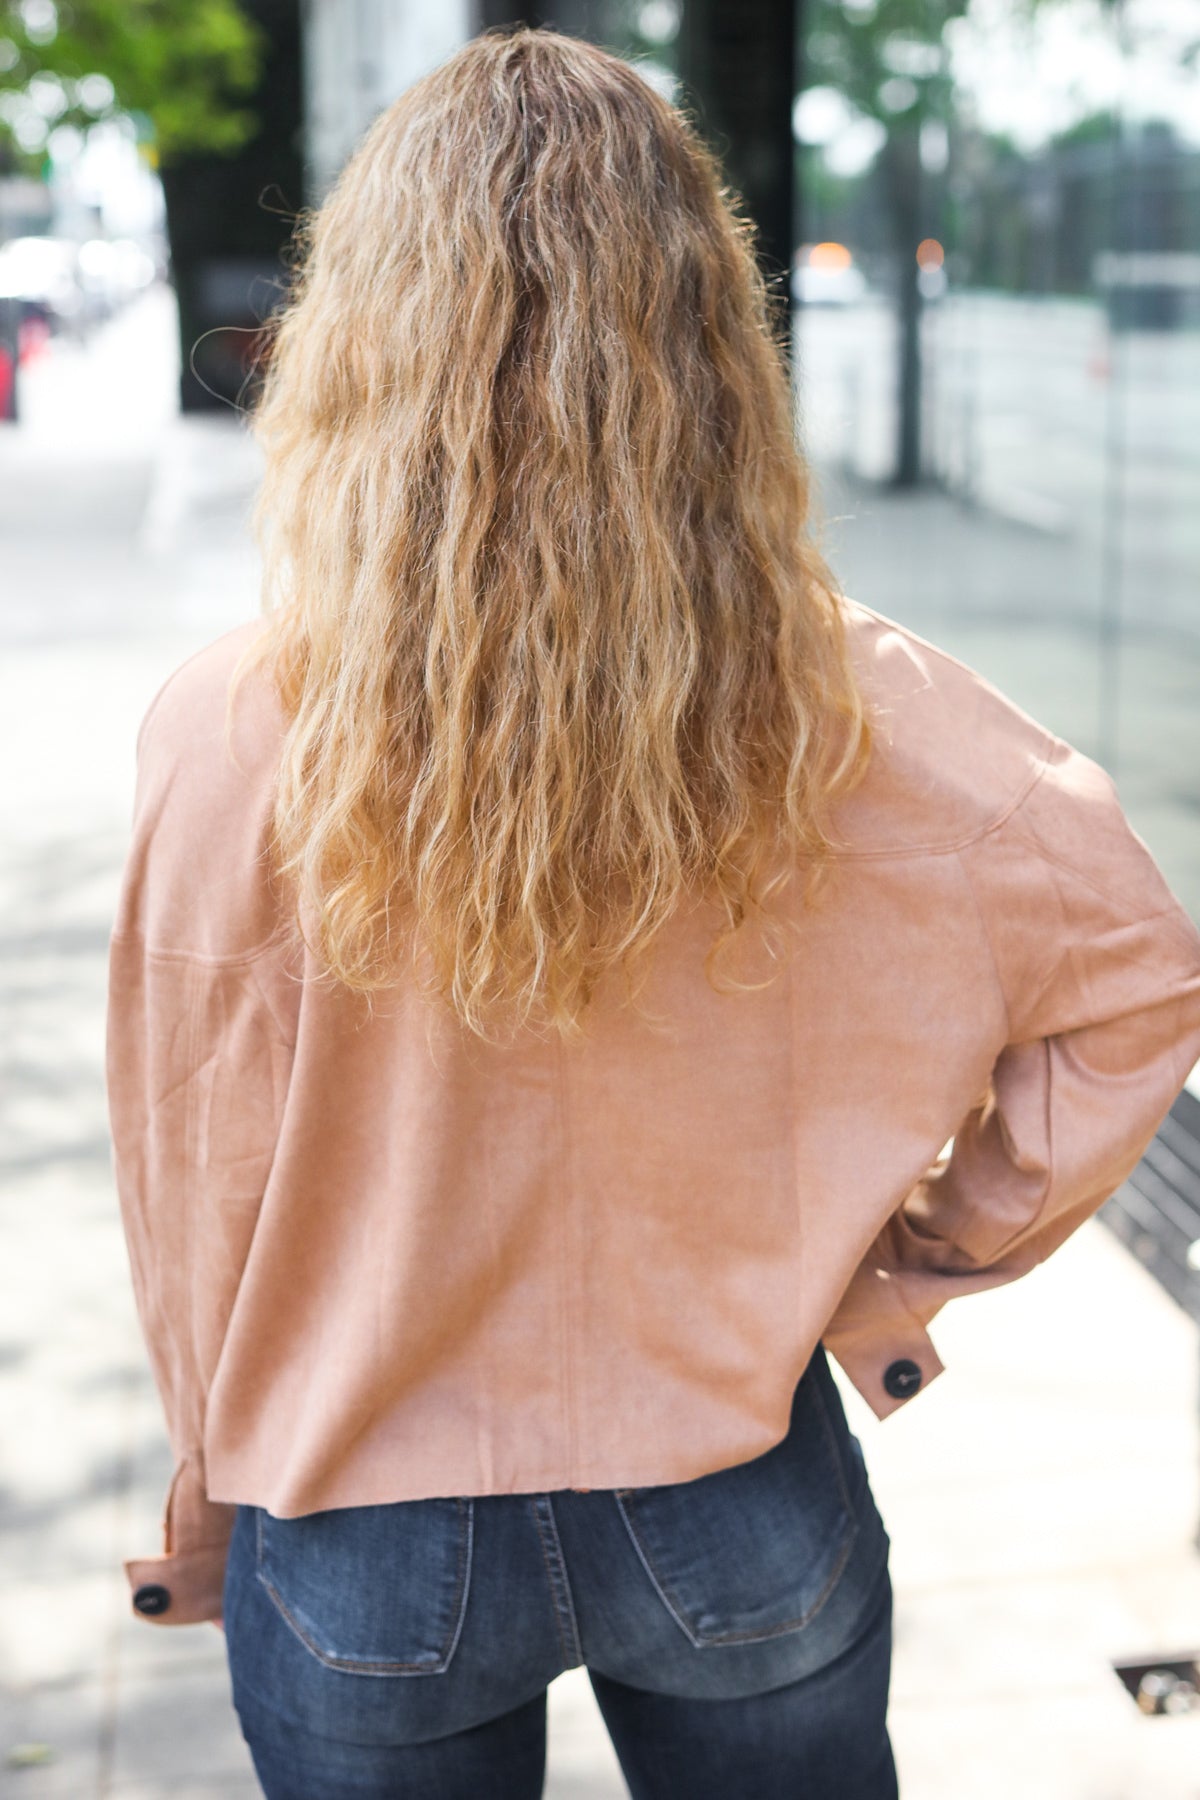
<point>901,158</point>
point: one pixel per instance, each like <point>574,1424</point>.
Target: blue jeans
<point>736,1630</point>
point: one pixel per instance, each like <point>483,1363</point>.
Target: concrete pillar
<point>359,55</point>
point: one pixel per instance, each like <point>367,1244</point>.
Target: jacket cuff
<point>183,1584</point>
<point>183,1588</point>
<point>880,1343</point>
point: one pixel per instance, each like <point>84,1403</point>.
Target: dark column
<point>489,13</point>
<point>905,187</point>
<point>738,65</point>
<point>229,219</point>
<point>601,21</point>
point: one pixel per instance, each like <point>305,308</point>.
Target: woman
<point>555,949</point>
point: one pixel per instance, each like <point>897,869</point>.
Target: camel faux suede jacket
<point>375,1259</point>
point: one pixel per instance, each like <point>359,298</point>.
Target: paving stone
<point>1060,1747</point>
<point>581,1763</point>
<point>178,1725</point>
<point>68,1719</point>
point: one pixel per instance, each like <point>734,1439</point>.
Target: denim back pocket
<point>750,1552</point>
<point>375,1590</point>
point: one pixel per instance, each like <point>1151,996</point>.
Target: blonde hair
<point>554,649</point>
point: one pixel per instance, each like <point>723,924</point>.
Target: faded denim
<point>736,1630</point>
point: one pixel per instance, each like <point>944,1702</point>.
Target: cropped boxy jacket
<point>376,1259</point>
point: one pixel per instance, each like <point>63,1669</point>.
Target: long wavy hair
<point>555,650</point>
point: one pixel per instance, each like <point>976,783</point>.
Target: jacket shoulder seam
<point>235,959</point>
<point>952,846</point>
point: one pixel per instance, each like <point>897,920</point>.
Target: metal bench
<point>1156,1213</point>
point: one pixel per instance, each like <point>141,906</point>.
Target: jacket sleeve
<point>1099,967</point>
<point>197,1061</point>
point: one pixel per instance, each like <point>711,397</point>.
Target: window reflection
<point>998,354</point>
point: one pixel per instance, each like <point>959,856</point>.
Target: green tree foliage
<point>884,56</point>
<point>184,65</point>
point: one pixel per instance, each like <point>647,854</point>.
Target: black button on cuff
<point>152,1598</point>
<point>902,1378</point>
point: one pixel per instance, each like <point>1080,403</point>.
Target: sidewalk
<point>1040,1498</point>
